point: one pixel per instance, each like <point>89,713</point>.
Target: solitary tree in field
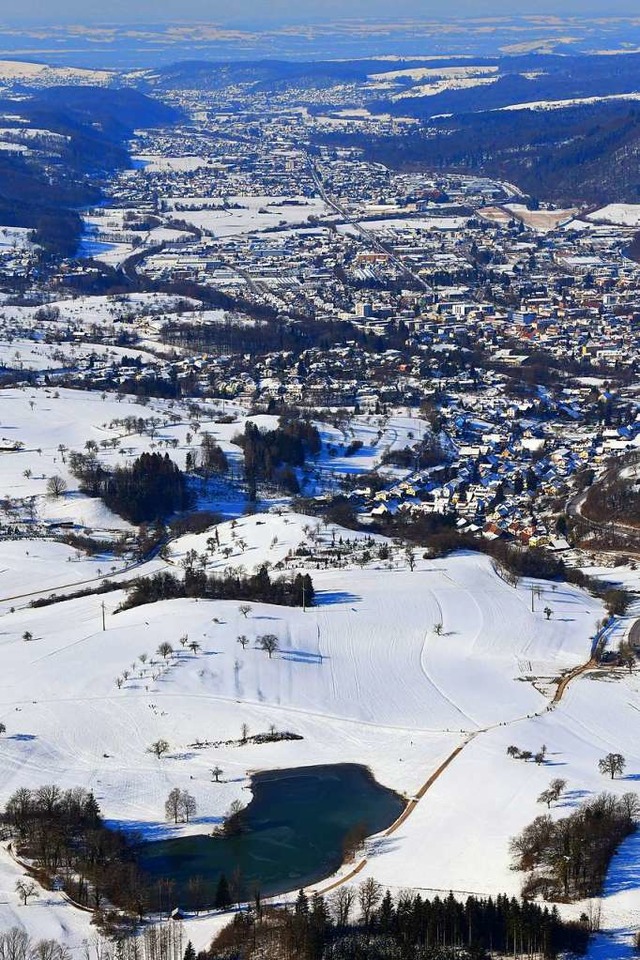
<point>27,635</point>
<point>165,649</point>
<point>26,889</point>
<point>244,732</point>
<point>269,642</point>
<point>437,629</point>
<point>158,748</point>
<point>245,609</point>
<point>194,646</point>
<point>613,764</point>
<point>243,641</point>
<point>56,486</point>
<point>547,612</point>
<point>216,773</point>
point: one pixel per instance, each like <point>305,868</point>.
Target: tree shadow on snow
<point>143,831</point>
<point>624,870</point>
<point>326,598</point>
<point>572,798</point>
<point>302,656</point>
<point>376,848</point>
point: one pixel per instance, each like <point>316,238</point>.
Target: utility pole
<point>532,596</point>
<point>103,623</point>
<point>304,597</point>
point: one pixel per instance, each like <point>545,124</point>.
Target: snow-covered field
<point>542,220</point>
<point>38,355</point>
<point>392,668</point>
<point>363,677</point>
<point>248,214</point>
<point>625,214</point>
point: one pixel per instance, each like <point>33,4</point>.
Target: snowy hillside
<point>368,676</point>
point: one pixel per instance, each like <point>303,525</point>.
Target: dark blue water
<point>294,834</point>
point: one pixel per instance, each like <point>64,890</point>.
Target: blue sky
<point>270,12</point>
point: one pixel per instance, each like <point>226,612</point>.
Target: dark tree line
<point>150,489</point>
<point>258,587</point>
<point>272,334</point>
<point>567,859</point>
<point>406,928</point>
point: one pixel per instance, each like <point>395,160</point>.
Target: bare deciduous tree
<point>56,486</point>
<point>188,805</point>
<point>342,901</point>
<point>26,889</point>
<point>369,894</point>
<point>269,643</point>
<point>613,764</point>
<point>172,805</point>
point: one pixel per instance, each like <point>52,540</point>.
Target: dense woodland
<point>259,587</point>
<point>406,928</point>
<point>149,489</point>
<point>63,834</point>
<point>270,456</point>
<point>567,859</point>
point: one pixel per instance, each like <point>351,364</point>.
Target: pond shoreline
<point>294,833</point>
